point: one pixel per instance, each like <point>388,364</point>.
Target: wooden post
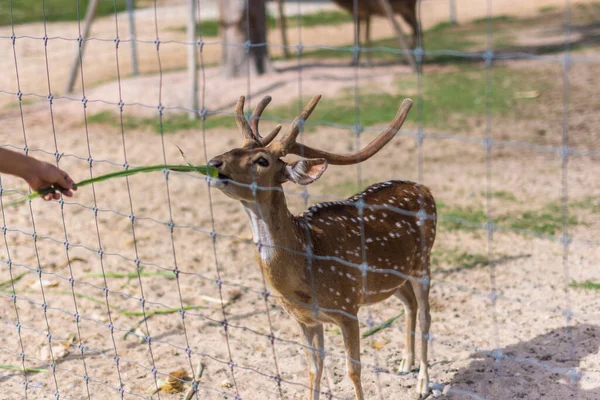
<point>452,12</point>
<point>283,29</point>
<point>134,66</point>
<point>387,9</point>
<point>192,60</point>
<point>87,24</point>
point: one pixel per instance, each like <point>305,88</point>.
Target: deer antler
<point>289,139</point>
<point>250,131</point>
<point>256,118</point>
<point>366,153</point>
<point>242,123</point>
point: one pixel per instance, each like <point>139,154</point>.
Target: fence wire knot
<point>84,101</point>
<point>117,40</point>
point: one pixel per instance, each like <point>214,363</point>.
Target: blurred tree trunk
<point>240,25</point>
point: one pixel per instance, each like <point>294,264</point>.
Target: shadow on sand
<point>545,367</point>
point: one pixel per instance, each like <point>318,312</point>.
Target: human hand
<point>43,175</point>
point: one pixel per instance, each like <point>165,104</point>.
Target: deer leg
<point>356,56</point>
<point>410,16</point>
<point>408,299</point>
<point>368,40</point>
<point>313,340</point>
<point>351,335</point>
<point>422,295</point>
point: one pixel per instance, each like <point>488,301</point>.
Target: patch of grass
<point>501,194</point>
<point>545,221</point>
<point>589,285</point>
<point>170,124</point>
<point>344,188</point>
<point>443,36</point>
<point>497,18</point>
<point>457,258</point>
<point>457,217</point>
<point>547,9</point>
<point>449,100</point>
<point>22,102</point>
<point>24,11</point>
<point>210,27</point>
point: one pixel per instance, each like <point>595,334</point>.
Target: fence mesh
<point>159,274</point>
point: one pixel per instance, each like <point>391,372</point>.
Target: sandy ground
<point>537,340</point>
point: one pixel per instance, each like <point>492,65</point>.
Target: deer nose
<point>215,162</point>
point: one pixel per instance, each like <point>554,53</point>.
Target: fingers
<point>68,193</point>
<point>51,196</point>
<point>63,179</point>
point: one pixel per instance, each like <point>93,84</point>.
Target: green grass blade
<point>386,324</point>
<point>201,169</point>
<point>20,368</point>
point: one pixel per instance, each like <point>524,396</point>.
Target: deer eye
<point>263,162</point>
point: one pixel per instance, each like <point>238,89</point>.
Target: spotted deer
<point>335,257</point>
<point>365,9</point>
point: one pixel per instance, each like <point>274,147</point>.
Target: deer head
<point>259,161</point>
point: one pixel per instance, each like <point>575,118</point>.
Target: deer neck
<point>273,227</point>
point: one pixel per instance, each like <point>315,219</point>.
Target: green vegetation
<point>443,36</point>
<point>210,27</point>
<point>501,194</point>
<point>458,217</point>
<point>455,257</point>
<point>548,9</point>
<point>449,100</point>
<point>382,326</point>
<point>495,19</point>
<point>24,11</point>
<point>589,285</point>
<point>547,220</point>
<point>169,124</point>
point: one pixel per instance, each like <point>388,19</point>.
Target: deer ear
<point>304,172</point>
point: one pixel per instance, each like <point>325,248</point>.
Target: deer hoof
<point>423,384</point>
<point>405,366</point>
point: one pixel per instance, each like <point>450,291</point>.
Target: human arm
<point>38,174</point>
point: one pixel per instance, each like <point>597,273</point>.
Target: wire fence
<point>103,364</point>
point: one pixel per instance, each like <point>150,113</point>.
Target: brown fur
<point>336,257</point>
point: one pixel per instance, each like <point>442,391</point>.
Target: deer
<point>365,9</point>
<point>328,262</point>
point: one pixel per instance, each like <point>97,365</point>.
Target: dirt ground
<point>537,338</point>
